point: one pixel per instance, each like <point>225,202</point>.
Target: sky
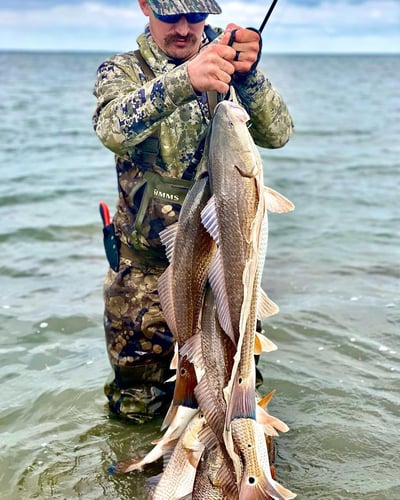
<point>296,26</point>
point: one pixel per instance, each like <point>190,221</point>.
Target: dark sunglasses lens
<point>196,17</point>
<point>168,19</point>
<point>193,18</point>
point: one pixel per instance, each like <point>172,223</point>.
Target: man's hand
<point>213,67</point>
<point>246,45</point>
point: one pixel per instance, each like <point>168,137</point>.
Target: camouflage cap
<point>171,7</point>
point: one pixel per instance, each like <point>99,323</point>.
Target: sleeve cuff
<point>178,86</point>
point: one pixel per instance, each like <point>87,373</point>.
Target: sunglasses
<point>192,18</point>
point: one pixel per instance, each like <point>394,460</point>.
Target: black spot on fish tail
<point>186,381</point>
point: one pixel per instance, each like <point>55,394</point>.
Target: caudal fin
<point>241,398</point>
<point>258,488</point>
<point>164,446</point>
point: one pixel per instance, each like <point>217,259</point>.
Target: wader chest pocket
<point>160,204</point>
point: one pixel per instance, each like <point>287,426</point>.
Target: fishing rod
<point>266,18</point>
<point>211,35</point>
<point>232,39</point>
<point>268,15</point>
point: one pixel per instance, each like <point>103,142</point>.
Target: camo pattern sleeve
<point>271,123</point>
<point>129,108</point>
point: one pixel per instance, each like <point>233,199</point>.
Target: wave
<point>51,233</point>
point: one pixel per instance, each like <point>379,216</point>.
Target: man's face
<point>180,40</point>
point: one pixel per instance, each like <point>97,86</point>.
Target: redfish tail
<point>137,464</point>
<point>254,488</point>
<point>242,399</point>
<point>186,381</point>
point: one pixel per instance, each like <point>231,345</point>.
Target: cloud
<point>295,25</point>
<point>368,14</point>
<point>90,14</point>
<point>79,26</point>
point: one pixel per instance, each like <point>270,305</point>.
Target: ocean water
<point>332,267</point>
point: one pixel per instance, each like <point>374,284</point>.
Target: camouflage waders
<point>136,336</point>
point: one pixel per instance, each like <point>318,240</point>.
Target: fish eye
<point>252,480</point>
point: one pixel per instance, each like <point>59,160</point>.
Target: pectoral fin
<point>276,202</point>
<point>262,344</point>
<point>266,307</point>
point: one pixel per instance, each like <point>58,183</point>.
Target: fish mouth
<point>234,111</point>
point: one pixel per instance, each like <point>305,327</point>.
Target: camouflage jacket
<point>130,109</point>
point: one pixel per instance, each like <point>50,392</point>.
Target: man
<point>153,110</point>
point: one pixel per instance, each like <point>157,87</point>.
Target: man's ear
<point>144,7</point>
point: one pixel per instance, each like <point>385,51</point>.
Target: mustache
<point>170,39</point>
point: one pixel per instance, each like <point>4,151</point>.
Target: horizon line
<point>278,53</point>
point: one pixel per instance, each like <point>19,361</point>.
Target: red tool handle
<point>105,213</point>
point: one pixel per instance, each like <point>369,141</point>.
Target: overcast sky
<point>310,26</point>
